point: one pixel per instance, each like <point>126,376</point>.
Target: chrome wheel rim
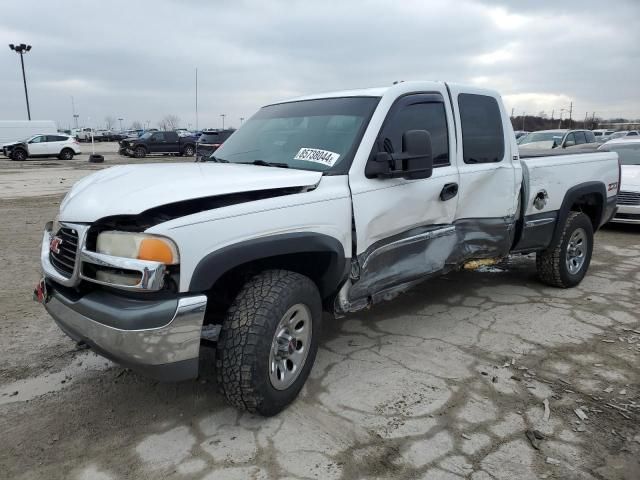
<point>576,251</point>
<point>290,346</point>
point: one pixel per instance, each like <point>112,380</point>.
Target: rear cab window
<point>482,133</point>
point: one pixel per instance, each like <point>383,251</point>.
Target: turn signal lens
<point>138,245</point>
<point>157,250</point>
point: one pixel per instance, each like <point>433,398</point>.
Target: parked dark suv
<point>209,142</point>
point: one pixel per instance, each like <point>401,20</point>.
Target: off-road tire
<point>188,151</point>
<point>551,263</point>
<point>244,344</point>
<point>66,154</point>
<point>140,152</point>
<point>19,155</point>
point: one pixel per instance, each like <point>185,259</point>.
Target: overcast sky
<point>137,60</point>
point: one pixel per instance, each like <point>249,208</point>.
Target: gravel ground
<point>442,383</point>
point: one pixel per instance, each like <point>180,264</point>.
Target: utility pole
<point>584,124</point>
<point>196,99</point>
<point>223,115</point>
<point>593,120</point>
<point>552,112</point>
<point>21,50</point>
<point>570,112</point>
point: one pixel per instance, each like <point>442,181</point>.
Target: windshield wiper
<point>268,164</point>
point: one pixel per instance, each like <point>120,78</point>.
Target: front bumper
<point>159,338</point>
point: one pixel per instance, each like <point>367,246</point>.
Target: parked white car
<point>59,145</point>
<point>328,202</point>
<point>628,150</point>
<point>602,134</point>
<point>560,138</point>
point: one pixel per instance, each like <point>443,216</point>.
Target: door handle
<point>449,191</point>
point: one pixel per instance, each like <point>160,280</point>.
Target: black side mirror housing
<point>415,161</point>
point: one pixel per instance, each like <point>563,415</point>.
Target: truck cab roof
<point>394,90</point>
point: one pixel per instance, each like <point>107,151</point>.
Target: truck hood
<point>630,177</point>
<point>133,189</point>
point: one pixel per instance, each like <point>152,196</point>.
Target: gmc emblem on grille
<point>54,245</point>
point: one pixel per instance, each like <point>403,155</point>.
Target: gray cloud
<point>137,60</point>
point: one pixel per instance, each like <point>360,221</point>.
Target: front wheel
<point>139,152</point>
<point>19,155</point>
<point>566,261</point>
<point>268,341</point>
<point>188,151</point>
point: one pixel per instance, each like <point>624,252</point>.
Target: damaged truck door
<point>403,226</point>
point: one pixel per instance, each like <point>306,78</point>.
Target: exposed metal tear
<point>483,262</point>
<point>400,262</point>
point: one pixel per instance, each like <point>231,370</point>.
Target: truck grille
<point>628,198</point>
<point>65,260</point>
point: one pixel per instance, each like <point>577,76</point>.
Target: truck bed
<point>557,173</point>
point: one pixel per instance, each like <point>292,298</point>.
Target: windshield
<point>628,154</point>
<point>308,135</point>
<point>541,137</point>
<point>618,135</point>
<point>146,135</point>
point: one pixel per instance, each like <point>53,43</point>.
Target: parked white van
<point>16,130</point>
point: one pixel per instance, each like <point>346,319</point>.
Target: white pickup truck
<point>329,202</point>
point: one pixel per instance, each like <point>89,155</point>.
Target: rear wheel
<point>139,152</point>
<point>268,341</point>
<point>565,262</point>
<point>66,154</point>
<point>19,155</point>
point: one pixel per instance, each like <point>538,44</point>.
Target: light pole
<point>223,115</point>
<point>120,120</point>
<point>21,50</point>
<point>241,120</point>
<point>73,109</point>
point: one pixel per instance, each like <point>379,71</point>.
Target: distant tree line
<point>532,123</point>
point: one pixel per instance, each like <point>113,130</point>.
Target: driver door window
<point>38,145</point>
<point>418,114</point>
<point>570,140</point>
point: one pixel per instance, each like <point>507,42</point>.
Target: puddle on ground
<point>30,388</point>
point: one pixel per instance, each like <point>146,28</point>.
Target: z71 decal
<point>316,155</point>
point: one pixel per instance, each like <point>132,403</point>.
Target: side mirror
<point>415,161</point>
<point>569,143</point>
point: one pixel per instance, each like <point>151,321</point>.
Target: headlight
<point>138,245</point>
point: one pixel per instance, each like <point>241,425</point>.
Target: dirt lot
<point>442,383</point>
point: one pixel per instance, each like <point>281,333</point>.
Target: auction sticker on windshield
<point>316,155</point>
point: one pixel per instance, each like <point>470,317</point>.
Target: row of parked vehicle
<point>565,138</point>
<point>202,145</point>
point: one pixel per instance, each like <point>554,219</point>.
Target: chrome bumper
<point>627,214</point>
<point>169,352</point>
